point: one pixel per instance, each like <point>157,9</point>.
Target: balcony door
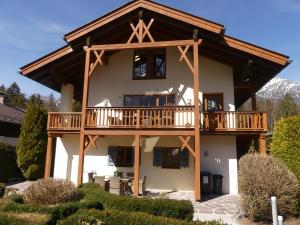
<point>213,103</point>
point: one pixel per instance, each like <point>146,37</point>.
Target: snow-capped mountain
<point>278,87</point>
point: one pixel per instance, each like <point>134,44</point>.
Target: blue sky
<point>29,29</point>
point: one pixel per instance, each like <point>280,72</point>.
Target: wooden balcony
<point>167,118</point>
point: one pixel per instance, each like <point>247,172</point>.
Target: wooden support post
<point>84,104</point>
<point>262,145</point>
<point>197,122</point>
<point>48,157</point>
<point>136,165</point>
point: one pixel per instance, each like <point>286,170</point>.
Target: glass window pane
<point>171,100</point>
<point>140,66</point>
<point>136,101</point>
<point>128,101</point>
<point>159,66</point>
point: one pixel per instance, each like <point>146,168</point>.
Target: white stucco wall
<point>67,94</point>
<point>111,82</point>
<point>218,156</point>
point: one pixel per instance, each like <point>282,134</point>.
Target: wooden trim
<point>158,8</point>
<point>185,144</point>
<point>83,113</point>
<point>136,165</point>
<point>46,60</point>
<point>48,157</point>
<point>257,51</point>
<point>144,45</point>
<point>197,188</point>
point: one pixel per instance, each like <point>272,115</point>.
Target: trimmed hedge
<point>113,217</point>
<point>159,207</point>
<point>11,220</point>
<point>56,213</point>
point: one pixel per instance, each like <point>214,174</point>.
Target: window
<point>121,156</point>
<point>213,102</point>
<point>149,64</point>
<point>149,100</point>
<point>171,158</point>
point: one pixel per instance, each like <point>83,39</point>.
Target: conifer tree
<point>32,142</point>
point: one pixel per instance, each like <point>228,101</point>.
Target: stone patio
<point>211,207</point>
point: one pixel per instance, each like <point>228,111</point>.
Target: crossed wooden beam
<point>140,31</point>
<point>90,141</point>
<point>185,144</point>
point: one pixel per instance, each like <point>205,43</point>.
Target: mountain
<point>278,87</point>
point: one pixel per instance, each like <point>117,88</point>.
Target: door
<point>212,104</point>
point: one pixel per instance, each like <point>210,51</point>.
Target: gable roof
<point>10,114</point>
<point>67,63</point>
<point>152,6</point>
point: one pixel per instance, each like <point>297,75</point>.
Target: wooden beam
<point>197,187</point>
<point>157,44</point>
<point>83,113</point>
<point>92,142</point>
<point>48,157</point>
<point>185,144</point>
<point>136,165</point>
<point>126,132</point>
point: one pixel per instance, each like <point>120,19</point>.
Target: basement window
<point>149,64</point>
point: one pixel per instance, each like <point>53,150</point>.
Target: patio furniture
<point>115,186</point>
<point>100,180</point>
<point>129,175</point>
<point>142,186</point>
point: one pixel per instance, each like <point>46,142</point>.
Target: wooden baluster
<point>138,118</point>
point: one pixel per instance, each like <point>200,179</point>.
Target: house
<point>10,122</point>
<point>160,92</point>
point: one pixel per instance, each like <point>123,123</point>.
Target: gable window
<point>121,156</point>
<point>213,102</point>
<point>149,64</point>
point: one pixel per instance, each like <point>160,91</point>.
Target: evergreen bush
<point>8,167</point>
<point>286,143</point>
<point>32,143</point>
<point>261,177</point>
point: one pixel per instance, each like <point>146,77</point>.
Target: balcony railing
<point>171,117</point>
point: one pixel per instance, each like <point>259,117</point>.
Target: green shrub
<point>50,191</point>
<point>8,167</point>
<point>56,213</point>
<point>17,198</point>
<point>2,189</point>
<point>113,217</point>
<point>261,177</point>
<point>11,220</point>
<point>158,207</point>
<point>286,143</point>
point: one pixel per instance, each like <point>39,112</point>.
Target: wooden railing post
<point>136,165</point>
<point>138,118</point>
<point>264,121</point>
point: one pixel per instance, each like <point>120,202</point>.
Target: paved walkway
<point>211,207</point>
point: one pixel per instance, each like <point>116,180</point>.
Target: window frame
<point>157,99</point>
<point>219,94</point>
<point>125,150</point>
<point>150,55</point>
<point>165,159</point>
